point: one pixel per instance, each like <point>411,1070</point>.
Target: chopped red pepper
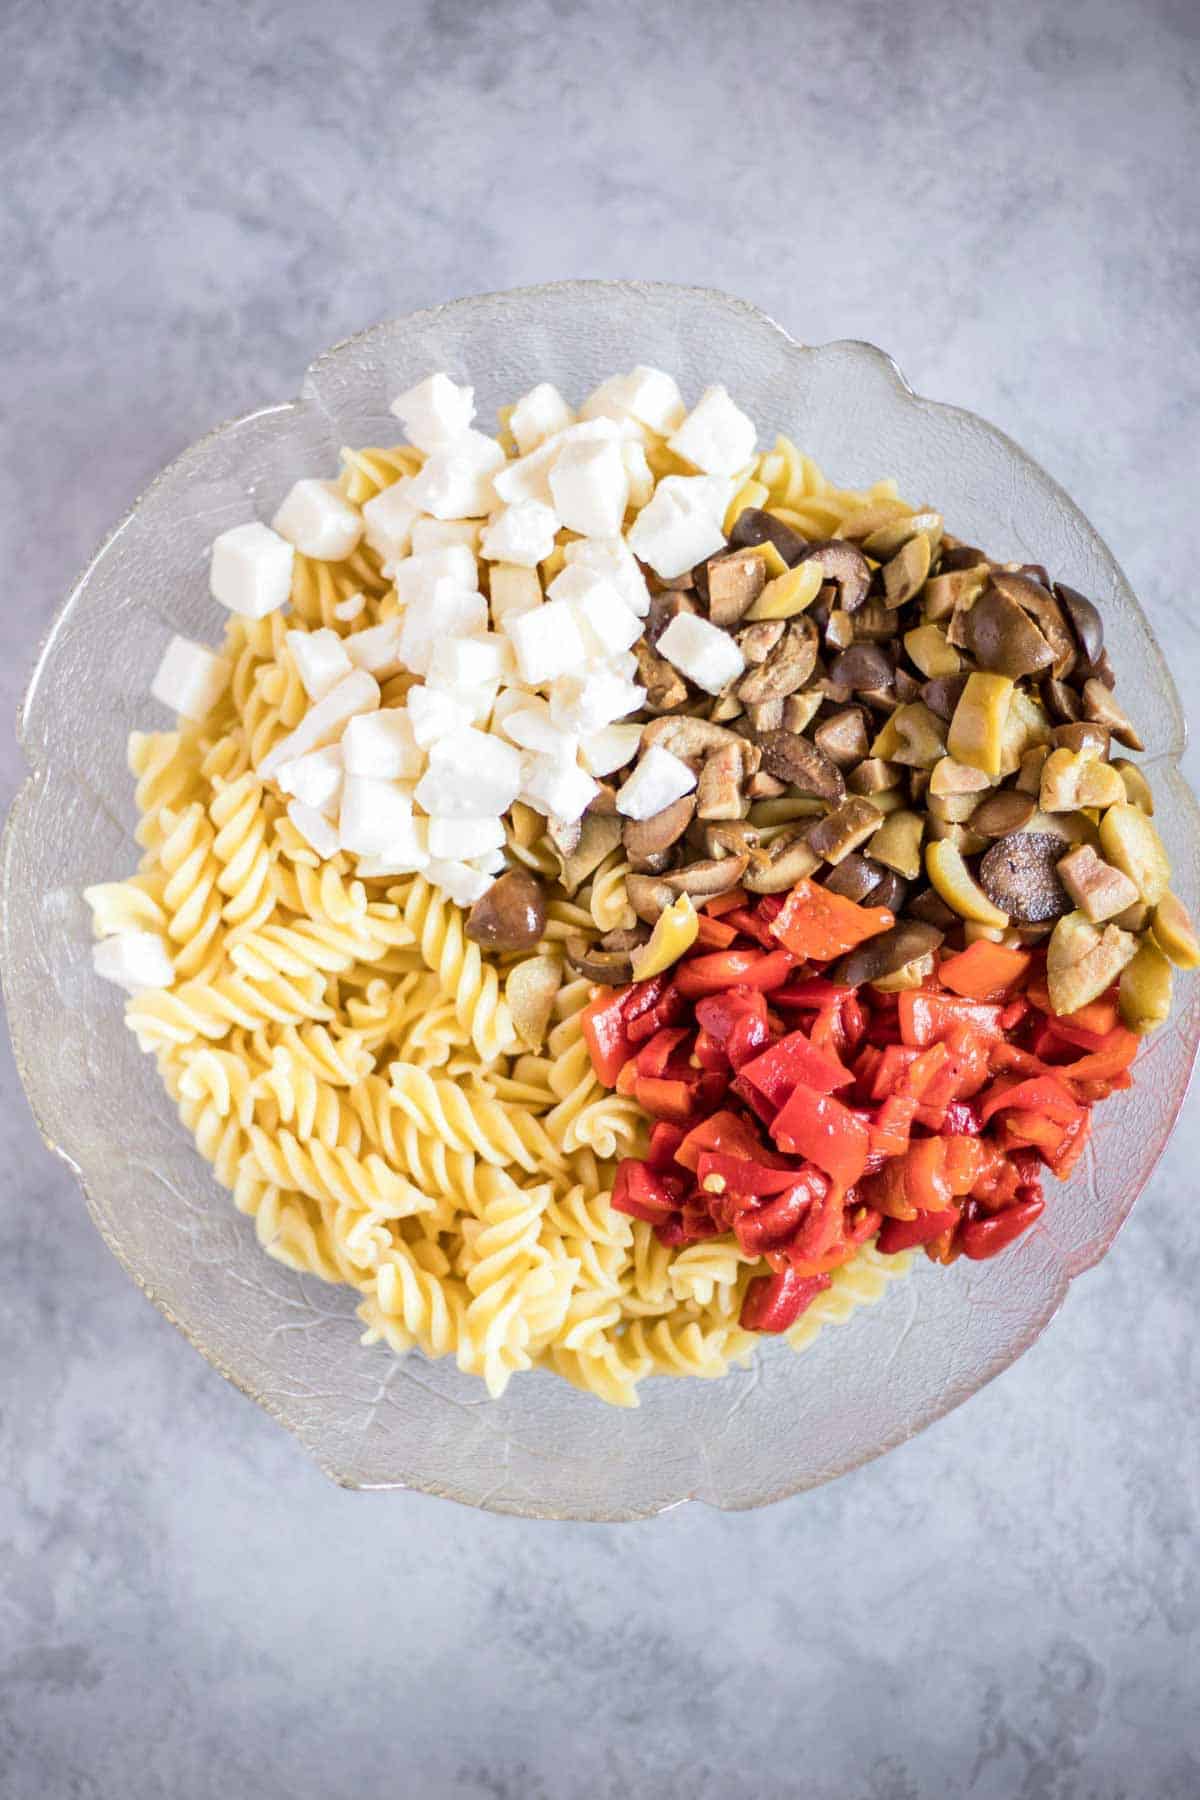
<point>642,1193</point>
<point>726,1131</point>
<point>905,1234</point>
<point>816,923</point>
<point>714,934</point>
<point>823,1130</point>
<point>984,1237</point>
<point>722,969</point>
<point>605,1033</point>
<point>775,1302</point>
<point>791,1060</point>
<point>926,1017</point>
<point>984,971</point>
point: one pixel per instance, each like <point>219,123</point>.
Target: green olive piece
<point>1131,843</point>
<point>1145,992</point>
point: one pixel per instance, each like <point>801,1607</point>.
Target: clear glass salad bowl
<point>291,1343</point>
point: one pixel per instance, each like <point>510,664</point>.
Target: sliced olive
<point>884,954</point>
<point>787,668</point>
<point>1019,874</point>
<point>511,915</point>
<point>846,565</point>
<point>863,666</point>
<point>793,759</point>
<point>754,526</point>
<point>613,967</point>
<point>1003,813</point>
<point>647,841</point>
<point>1003,638</point>
<point>943,693</point>
<point>854,878</point>
<point>1085,619</point>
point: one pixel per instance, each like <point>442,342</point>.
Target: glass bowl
<point>784,1424</point>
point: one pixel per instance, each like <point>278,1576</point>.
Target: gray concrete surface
<point>196,197</point>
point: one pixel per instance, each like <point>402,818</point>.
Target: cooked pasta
<point>347,1060</point>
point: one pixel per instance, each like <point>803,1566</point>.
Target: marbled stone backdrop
<point>196,196</point>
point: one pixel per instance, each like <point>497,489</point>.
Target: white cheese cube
<point>456,483</point>
<point>492,862</point>
<point>418,575</point>
<point>318,832</point>
<point>251,570</point>
<point>610,748</point>
<point>319,521</point>
<point>435,411</point>
<point>458,840</point>
<point>514,590</point>
<point>389,520</point>
<point>625,665</point>
<point>679,527</point>
<point>612,558</point>
<point>528,478</point>
<point>460,665</point>
<point>378,648</point>
<point>539,414</point>
<point>315,780</point>
<point>450,611</point>
<point>607,624</point>
<point>135,960</point>
<point>349,608</point>
<point>374,814</point>
<point>382,744</point>
<point>435,534</point>
<point>522,534</point>
<point>320,658</point>
<point>716,436</point>
<point>590,487</point>
<point>470,773</point>
<point>650,396</point>
<point>547,642</point>
<point>641,476</point>
<point>435,714</point>
<point>585,703</point>
<point>532,727</point>
<point>556,786</point>
<point>324,722</point>
<point>481,701</point>
<point>407,854</point>
<point>658,779</point>
<point>463,884</point>
<point>190,679</point>
<point>702,651</point>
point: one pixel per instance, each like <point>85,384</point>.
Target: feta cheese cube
<point>590,487</point>
<point>318,832</point>
<point>610,748</point>
<point>650,396</point>
<point>456,483</point>
<point>434,714</point>
<point>458,840</point>
<point>190,679</point>
<point>460,665</point>
<point>320,658</point>
<point>607,624</point>
<point>658,779</point>
<point>388,521</point>
<point>539,414</point>
<point>315,780</point>
<point>716,436</point>
<point>586,703</point>
<point>641,476</point>
<point>547,642</point>
<point>135,960</point>
<point>702,651</point>
<point>435,412</point>
<point>418,575</point>
<point>407,854</point>
<point>514,590</point>
<point>528,478</point>
<point>319,521</point>
<point>382,744</point>
<point>492,862</point>
<point>612,558</point>
<point>435,534</point>
<point>324,722</point>
<point>532,727</point>
<point>522,534</point>
<point>463,884</point>
<point>470,773</point>
<point>429,620</point>
<point>251,570</point>
<point>349,608</point>
<point>556,786</point>
<point>375,815</point>
<point>378,648</point>
<point>679,527</point>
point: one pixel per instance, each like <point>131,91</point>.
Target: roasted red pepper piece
<point>1041,1094</point>
<point>822,1232</point>
<point>773,1224</point>
<point>891,1127</point>
<point>775,1302</point>
<point>606,1033</point>
<point>643,1194</point>
<point>792,1060</point>
<point>905,1234</point>
<point>926,1183</point>
<point>665,1140</point>
<point>737,1021</point>
<point>724,1131</point>
<point>744,1177</point>
<point>927,1017</point>
<point>816,994</point>
<point>825,1132</point>
<point>655,1056</point>
<point>1113,1056</point>
<point>721,969</point>
<point>714,934</point>
<point>720,904</point>
<point>984,971</point>
<point>816,923</point>
<point>984,1237</point>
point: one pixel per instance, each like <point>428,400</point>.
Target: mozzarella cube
<point>251,570</point>
<point>557,786</point>
<point>435,412</point>
<point>586,703</point>
<point>418,575</point>
<point>528,478</point>
<point>470,773</point>
<point>492,862</point>
<point>460,665</point>
<point>324,722</point>
<point>388,521</point>
<point>590,487</point>
<point>612,558</point>
<point>432,618</point>
<point>319,521</point>
<point>650,396</point>
<point>381,744</point>
<point>532,727</point>
<point>547,642</point>
<point>434,714</point>
<point>625,665</point>
<point>315,780</point>
<point>458,840</point>
<point>320,658</point>
<point>522,534</point>
<point>374,814</point>
<point>463,884</point>
<point>318,832</point>
<point>190,679</point>
<point>539,414</point>
<point>513,590</point>
<point>349,608</point>
<point>456,483</point>
<point>641,476</point>
<point>658,779</point>
<point>610,748</point>
<point>716,436</point>
<point>378,648</point>
<point>407,854</point>
<point>435,534</point>
<point>702,651</point>
<point>679,527</point>
<point>607,624</point>
<point>135,960</point>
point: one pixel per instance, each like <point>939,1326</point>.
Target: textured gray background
<point>196,198</point>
